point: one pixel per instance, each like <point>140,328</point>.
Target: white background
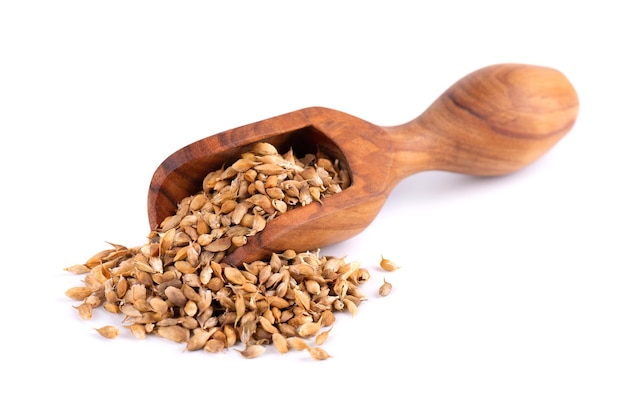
<point>511,291</point>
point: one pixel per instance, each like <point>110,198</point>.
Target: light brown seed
<point>240,307</point>
<point>252,351</point>
<point>309,329</point>
<point>313,286</point>
<point>388,265</point>
<point>78,293</point>
<point>352,307</point>
<point>231,335</point>
<point>234,275</point>
<point>279,302</point>
<point>85,311</point>
<point>327,318</point>
<point>280,343</point>
<point>138,330</point>
<point>175,296</point>
<point>322,337</point>
<point>297,343</point>
<point>265,149</point>
<point>267,325</point>
<point>191,308</point>
<point>198,340</point>
<point>214,346</point>
<point>318,353</point>
<point>78,269</point>
<point>385,288</point>
<point>178,334</point>
<point>109,332</point>
<point>221,244</point>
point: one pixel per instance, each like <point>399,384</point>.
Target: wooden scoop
<point>492,122</point>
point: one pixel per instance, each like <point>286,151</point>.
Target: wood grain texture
<point>492,122</point>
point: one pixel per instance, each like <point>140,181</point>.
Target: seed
<point>239,240</point>
<point>234,275</point>
<point>388,265</point>
<point>78,293</point>
<point>322,337</point>
<point>184,266</point>
<point>297,343</point>
<point>309,329</point>
<point>318,353</point>
<point>191,308</point>
<point>138,330</point>
<point>85,311</point>
<point>175,333</point>
<point>385,289</point>
<point>280,343</point>
<point>198,340</point>
<point>78,269</point>
<point>265,149</point>
<point>175,296</point>
<point>231,335</point>
<point>327,318</point>
<point>240,307</point>
<point>313,287</point>
<point>252,351</point>
<point>221,244</point>
<point>267,325</point>
<point>351,305</point>
<point>214,346</point>
<point>109,332</point>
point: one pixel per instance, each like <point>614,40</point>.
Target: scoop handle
<point>493,121</point>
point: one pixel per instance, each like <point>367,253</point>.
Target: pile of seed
<point>177,286</point>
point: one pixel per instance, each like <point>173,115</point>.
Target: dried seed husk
<point>158,305</point>
<point>184,266</point>
<point>297,343</point>
<point>385,288</point>
<point>327,318</point>
<point>240,307</point>
<point>111,307</point>
<point>352,307</point>
<point>264,148</point>
<point>214,346</point>
<point>175,296</point>
<point>78,293</point>
<point>309,329</point>
<point>267,325</point>
<point>85,311</point>
<point>318,353</point>
<point>388,265</point>
<point>234,275</point>
<point>174,333</point>
<point>230,334</point>
<point>280,343</point>
<point>78,269</point>
<point>313,286</point>
<point>239,240</point>
<point>252,351</point>
<point>279,302</point>
<point>109,332</point>
<point>287,330</point>
<point>322,337</point>
<point>198,340</point>
<point>191,308</point>
<point>302,298</point>
<point>138,330</point>
<point>93,301</point>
